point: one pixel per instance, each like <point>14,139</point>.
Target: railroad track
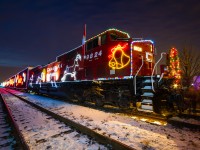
<point>152,118</point>
<point>10,137</point>
<point>143,116</point>
<point>43,141</point>
<point>114,109</point>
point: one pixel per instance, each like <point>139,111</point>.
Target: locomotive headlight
<point>149,57</point>
<point>137,48</point>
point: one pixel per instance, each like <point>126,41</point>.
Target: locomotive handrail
<point>163,53</point>
<point>161,77</point>
<point>137,73</point>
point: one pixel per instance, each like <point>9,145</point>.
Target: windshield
<point>117,35</point>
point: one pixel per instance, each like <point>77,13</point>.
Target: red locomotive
<point>109,68</point>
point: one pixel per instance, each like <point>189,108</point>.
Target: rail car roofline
<point>24,69</point>
<point>139,40</point>
<point>111,29</point>
<point>68,51</point>
<point>36,67</point>
<point>10,77</point>
<point>19,72</point>
<point>51,63</point>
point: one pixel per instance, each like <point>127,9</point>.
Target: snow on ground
<point>43,132</point>
<point>129,130</point>
<point>7,140</point>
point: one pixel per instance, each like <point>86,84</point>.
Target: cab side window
<point>103,39</point>
<point>89,45</point>
<point>113,36</point>
<point>98,41</point>
<point>95,42</point>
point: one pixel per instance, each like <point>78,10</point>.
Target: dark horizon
<point>35,32</point>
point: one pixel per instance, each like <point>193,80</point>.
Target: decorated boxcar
<point>20,80</point>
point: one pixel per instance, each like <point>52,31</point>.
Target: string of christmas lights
<point>174,67</point>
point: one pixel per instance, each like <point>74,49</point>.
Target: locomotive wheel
<point>124,103</point>
<point>99,101</point>
<point>79,98</point>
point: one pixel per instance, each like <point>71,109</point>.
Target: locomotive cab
<point>115,59</point>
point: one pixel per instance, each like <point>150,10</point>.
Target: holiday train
<point>109,68</point>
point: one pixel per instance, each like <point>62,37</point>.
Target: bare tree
<point>190,65</point>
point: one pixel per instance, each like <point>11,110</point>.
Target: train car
<point>45,79</point>
<point>109,68</point>
<point>6,83</point>
<point>34,77</point>
<point>21,79</point>
<point>10,82</point>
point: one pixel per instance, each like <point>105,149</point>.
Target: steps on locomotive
<point>147,88</point>
<point>139,84</point>
<point>146,105</point>
<point>147,96</point>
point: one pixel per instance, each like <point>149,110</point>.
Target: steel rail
<point>169,120</point>
<point>150,116</point>
<point>16,127</point>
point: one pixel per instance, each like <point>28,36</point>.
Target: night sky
<point>35,32</point>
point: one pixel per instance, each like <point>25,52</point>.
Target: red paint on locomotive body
<point>143,49</point>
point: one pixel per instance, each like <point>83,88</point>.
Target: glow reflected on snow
<point>160,123</point>
<point>144,136</point>
<point>143,119</point>
<point>152,121</point>
<point>134,117</point>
